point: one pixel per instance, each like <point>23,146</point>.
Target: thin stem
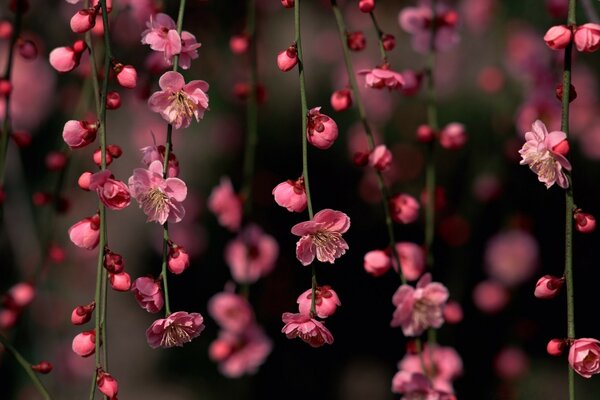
<point>26,365</point>
<point>313,295</point>
<point>304,107</point>
<point>164,268</point>
<point>370,139</point>
<point>419,348</point>
<point>379,32</point>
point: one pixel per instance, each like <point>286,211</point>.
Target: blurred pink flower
<point>226,205</point>
<point>326,301</point>
<point>322,237</point>
<point>377,262</point>
<point>174,330</point>
<point>416,386</point>
<point>306,328</point>
<point>382,77</point>
<point>251,255</point>
<point>242,353</point>
<point>114,194</point>
<point>148,294</point>
<point>511,257</point>
<point>231,311</point>
<point>511,363</point>
<point>490,296</point>
<point>162,35</point>
<point>417,21</point>
<point>157,153</point>
<point>447,365</point>
<point>178,102</point>
<point>412,260</point>
<point>189,50</point>
<point>539,153</point>
<point>419,308</point>
<point>404,208</point>
<point>380,158</point>
<point>584,357</point>
<point>159,198</point>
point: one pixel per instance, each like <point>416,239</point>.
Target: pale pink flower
<point>189,50</point>
<point>162,35</point>
<point>538,152</point>
<point>86,233</point>
<point>558,37</point>
<point>384,77</point>
<point>78,134</point>
<point>377,262</point>
<point>326,301</point>
<point>84,344</point>
<point>114,194</point>
<point>157,153</point>
<point>417,21</point>
<point>126,75</point>
<point>83,20</point>
<point>512,257</point>
<point>291,195</point>
<point>226,205</point>
<point>251,255</point>
<point>148,294</point>
<point>178,102</point>
<point>584,357</point>
<point>444,362</point>
<point>419,308</point>
<point>64,59</point>
<point>416,386</point>
<point>412,260</point>
<point>239,354</point>
<point>306,328</point>
<point>587,37</point>
<point>232,312</point>
<point>159,198</point>
<point>174,330</point>
<point>404,208</point>
<point>321,130</point>
<point>322,237</point>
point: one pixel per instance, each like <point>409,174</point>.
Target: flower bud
<point>341,99</point>
<point>107,384</point>
<point>126,75</point>
<point>548,286</point>
<point>425,134</point>
<point>55,161</point>
<point>113,100</point>
<point>19,296</point>
<point>587,37</point>
<point>63,59</point>
<point>326,301</point>
<point>114,150</point>
<point>84,180</point>
<point>360,159</point>
<point>82,314</point>
<point>291,195</point>
<point>27,49</point>
<point>287,3</point>
<point>21,138</point>
<point>453,312</point>
<point>238,44</point>
<point>56,253</point>
<point>178,260</point>
<point>6,30</point>
<point>404,208</point>
<point>43,367</point>
<point>83,21</point>
<point>120,282</point>
<point>366,6</point>
<point>84,344</point>
<point>97,157</point>
<point>584,222</point>
<point>321,131</point>
<point>356,41</point>
<point>453,136</point>
<point>78,134</point>
<point>79,46</point>
<point>558,37</point>
<point>113,262</point>
<point>555,347</point>
<point>380,158</point>
<point>377,262</point>
<point>86,233</point>
<point>287,59</point>
<point>388,41</point>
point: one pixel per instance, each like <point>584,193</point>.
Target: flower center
<point>182,103</point>
<point>175,335</point>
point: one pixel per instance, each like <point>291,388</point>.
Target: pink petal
<point>176,188</point>
<point>305,251</point>
<point>332,220</point>
<point>171,81</point>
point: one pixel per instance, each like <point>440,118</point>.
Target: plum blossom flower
<point>412,260</point>
<point>231,311</point>
<point>226,205</point>
<point>417,21</point>
<point>114,194</point>
<point>251,255</point>
<point>306,328</point>
<point>321,130</point>
<point>541,153</point>
<point>511,257</point>
<point>326,301</point>
<point>159,198</point>
<point>445,363</point>
<point>419,308</point>
<point>162,35</point>
<point>148,294</point>
<point>291,195</point>
<point>175,330</point>
<point>416,386</point>
<point>189,50</point>
<point>322,237</point>
<point>584,357</point>
<point>381,77</point>
<point>86,233</point>
<point>178,102</point>
<point>157,153</point>
<point>78,134</point>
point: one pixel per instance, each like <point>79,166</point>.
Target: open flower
<point>584,357</point>
<point>544,153</point>
<point>162,35</point>
<point>417,21</point>
<point>226,205</point>
<point>231,311</point>
<point>159,198</point>
<point>114,194</point>
<point>306,328</point>
<point>251,255</point>
<point>382,77</point>
<point>322,236</point>
<point>148,294</point>
<point>444,363</point>
<point>178,102</point>
<point>175,330</point>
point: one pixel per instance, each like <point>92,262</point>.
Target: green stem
<point>26,365</point>
<point>313,295</point>
<point>385,195</point>
<point>379,32</point>
<point>164,268</point>
<point>419,348</point>
<point>304,107</point>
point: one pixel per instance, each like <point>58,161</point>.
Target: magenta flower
<point>148,294</point>
<point>251,255</point>
<point>162,35</point>
<point>178,102</point>
<point>114,194</point>
<point>419,308</point>
<point>306,328</point>
<point>175,330</point>
<point>584,357</point>
<point>226,205</point>
<point>159,198</point>
<point>322,237</point>
<point>541,153</point>
<point>231,311</point>
<point>384,77</point>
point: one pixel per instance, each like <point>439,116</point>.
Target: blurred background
<point>498,229</point>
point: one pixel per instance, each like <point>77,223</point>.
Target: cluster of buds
<point>452,137</point>
<point>586,37</point>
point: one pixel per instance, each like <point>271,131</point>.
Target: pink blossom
<point>126,75</point>
<point>511,363</point>
<point>239,354</point>
<point>189,50</point>
<point>558,37</point>
<point>306,328</point>
<point>490,296</point>
<point>226,205</point>
<point>584,357</point>
<point>417,21</point>
<point>178,102</point>
<point>379,78</point>
<point>78,134</point>
<point>162,35</point>
<point>412,82</point>
<point>587,37</point>
<point>159,198</point>
<point>380,158</point>
<point>288,58</point>
<point>107,385</point>
<point>174,330</point>
<point>86,233</point>
<point>444,362</point>
<point>84,344</point>
<point>322,237</point>
<point>453,136</point>
<point>326,301</point>
<point>404,208</point>
<point>291,195</point>
<point>113,194</point>
<point>511,257</point>
<point>538,152</point>
<point>148,294</point>
<point>251,255</point>
<point>548,287</point>
<point>419,308</point>
<point>121,282</point>
<point>231,311</point>
<point>416,386</point>
<point>377,262</point>
<point>341,99</point>
<point>83,20</point>
<point>321,131</point>
<point>19,296</point>
<point>584,222</point>
<point>412,260</point>
<point>157,153</point>
<point>453,312</point>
